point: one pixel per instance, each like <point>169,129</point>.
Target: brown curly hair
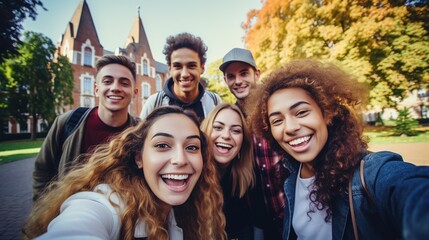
<point>185,40</point>
<point>339,97</point>
<point>201,216</point>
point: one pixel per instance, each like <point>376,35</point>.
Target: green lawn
<point>17,150</point>
<point>383,136</point>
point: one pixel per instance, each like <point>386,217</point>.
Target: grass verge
<point>17,150</point>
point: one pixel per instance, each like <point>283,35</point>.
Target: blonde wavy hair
<point>242,173</point>
<point>200,217</point>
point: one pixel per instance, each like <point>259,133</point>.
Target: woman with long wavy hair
<point>232,152</point>
<point>137,186</point>
<point>311,111</point>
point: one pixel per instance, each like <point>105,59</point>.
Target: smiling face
<point>297,123</point>
<point>227,136</point>
<point>115,88</point>
<point>172,160</point>
<point>240,78</point>
<point>186,70</point>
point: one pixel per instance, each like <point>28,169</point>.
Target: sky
<point>217,22</point>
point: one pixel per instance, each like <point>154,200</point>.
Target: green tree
<point>63,84</point>
<point>405,124</point>
<point>37,84</point>
<point>12,13</point>
<point>383,43</point>
<point>216,83</point>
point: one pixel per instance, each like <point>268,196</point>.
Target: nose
<point>185,72</point>
<point>179,158</point>
<point>238,80</point>
<point>291,126</point>
<point>115,86</point>
<point>225,134</point>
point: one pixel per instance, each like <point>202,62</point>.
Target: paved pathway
<point>15,185</point>
<point>417,153</point>
<point>15,197</point>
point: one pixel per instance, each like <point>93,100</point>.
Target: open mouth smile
<point>223,147</point>
<point>176,182</point>
<point>300,141</point>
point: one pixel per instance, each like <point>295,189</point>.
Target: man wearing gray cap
<point>241,75</point>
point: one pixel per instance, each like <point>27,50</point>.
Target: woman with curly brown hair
<point>137,186</point>
<point>232,148</point>
<point>311,111</point>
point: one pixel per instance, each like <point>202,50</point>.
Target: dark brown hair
<point>114,59</point>
<point>185,40</point>
<point>339,97</point>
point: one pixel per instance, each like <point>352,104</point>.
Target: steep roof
<point>137,37</point>
<point>81,24</point>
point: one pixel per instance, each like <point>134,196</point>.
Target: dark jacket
<point>401,201</point>
<point>202,105</point>
<point>54,158</point>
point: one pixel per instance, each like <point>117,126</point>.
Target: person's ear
<point>139,161</point>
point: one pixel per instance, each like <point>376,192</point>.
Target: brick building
<point>81,45</point>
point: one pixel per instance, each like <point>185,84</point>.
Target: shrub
<point>405,124</point>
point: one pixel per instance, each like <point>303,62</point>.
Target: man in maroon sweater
<point>115,87</point>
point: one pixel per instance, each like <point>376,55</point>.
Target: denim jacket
<point>399,207</point>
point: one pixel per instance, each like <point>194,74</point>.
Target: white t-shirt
<point>308,225</point>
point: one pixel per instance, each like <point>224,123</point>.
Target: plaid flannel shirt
<point>267,162</point>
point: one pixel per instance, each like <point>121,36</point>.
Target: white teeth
<point>115,97</point>
<point>224,145</point>
<point>175,177</point>
<point>299,140</point>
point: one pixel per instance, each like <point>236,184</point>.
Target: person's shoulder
<point>382,156</point>
<point>212,95</point>
<point>102,193</point>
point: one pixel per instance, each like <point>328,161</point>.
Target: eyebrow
<point>223,124</point>
<point>162,134</point>
<point>112,77</point>
<point>295,105</point>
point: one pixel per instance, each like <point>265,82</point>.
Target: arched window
<point>87,57</point>
<point>158,82</point>
<point>145,67</point>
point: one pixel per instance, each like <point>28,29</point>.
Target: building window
<point>23,126</point>
<point>87,102</point>
<point>145,90</point>
<point>158,83</point>
<point>145,67</point>
<point>87,86</point>
<point>87,58</point>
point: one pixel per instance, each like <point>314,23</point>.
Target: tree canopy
<point>382,43</point>
<point>216,83</point>
<point>37,83</point>
<point>12,13</point>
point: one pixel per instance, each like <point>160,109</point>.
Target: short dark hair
<point>185,40</point>
<point>115,59</point>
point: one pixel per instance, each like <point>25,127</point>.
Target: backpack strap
<point>352,210</point>
<point>159,98</point>
<point>72,122</point>
<point>213,96</point>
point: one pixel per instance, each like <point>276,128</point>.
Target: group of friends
<point>288,160</point>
